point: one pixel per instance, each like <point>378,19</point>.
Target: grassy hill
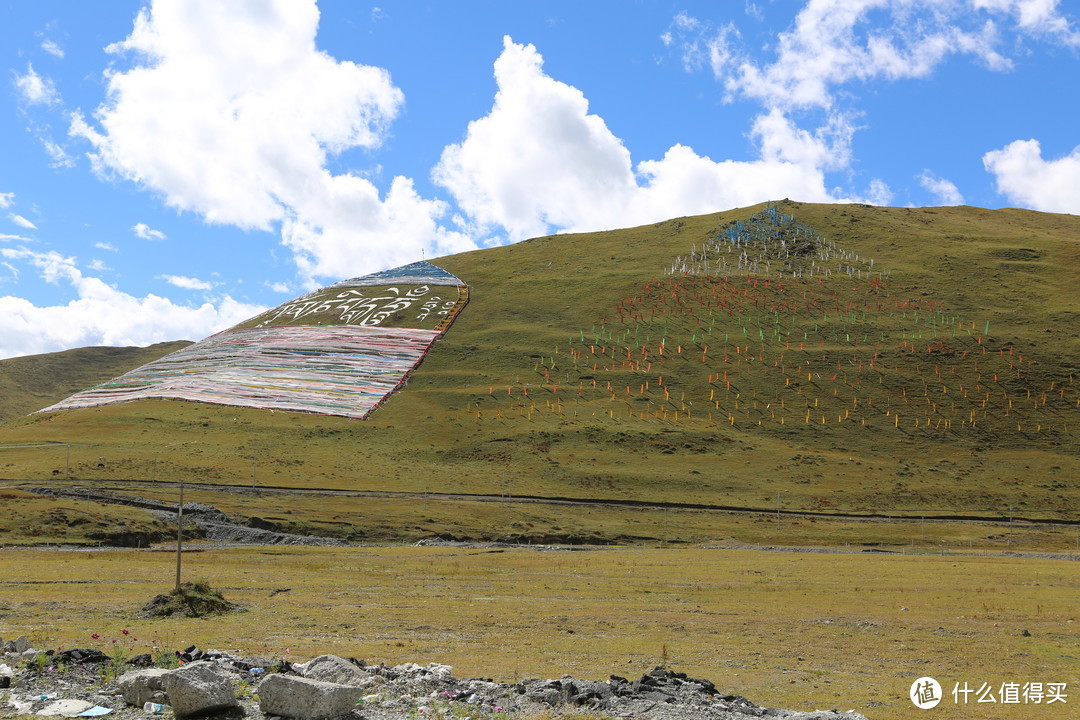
<point>30,383</point>
<point>912,362</point>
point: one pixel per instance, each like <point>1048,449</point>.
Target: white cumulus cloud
<point>1040,17</point>
<point>944,191</point>
<point>187,283</point>
<point>101,314</point>
<point>52,48</point>
<point>21,221</point>
<point>834,43</point>
<point>252,110</point>
<point>539,160</point>
<point>145,232</point>
<point>1026,178</point>
<point>6,200</point>
<point>35,89</point>
<point>58,155</point>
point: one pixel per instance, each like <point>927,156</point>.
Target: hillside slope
<point>36,381</point>
<point>914,361</point>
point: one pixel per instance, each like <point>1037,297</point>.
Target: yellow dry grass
<point>786,629</point>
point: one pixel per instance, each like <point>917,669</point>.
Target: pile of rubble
<point>217,684</point>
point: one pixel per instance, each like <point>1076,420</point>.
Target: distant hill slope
<point>35,381</point>
<point>840,357</point>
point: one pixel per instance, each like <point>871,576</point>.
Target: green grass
<point>29,520</point>
<point>865,625</point>
<point>28,384</point>
<point>454,428</point>
<point>798,630</point>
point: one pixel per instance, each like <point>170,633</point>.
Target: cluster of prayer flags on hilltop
<point>796,348</point>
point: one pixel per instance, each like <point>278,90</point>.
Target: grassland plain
<point>797,630</point>
<point>505,402</point>
<point>504,405</point>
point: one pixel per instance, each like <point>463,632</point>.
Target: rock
<point>706,685</point>
<point>142,686</point>
<point>590,692</point>
<point>442,672</point>
<point>334,669</point>
<point>19,645</point>
<point>65,708</point>
<point>656,696</point>
<point>297,697</point>
<point>81,656</point>
<point>196,689</point>
<point>433,670</point>
<point>142,661</point>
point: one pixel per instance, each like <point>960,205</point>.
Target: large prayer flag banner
<point>340,350</point>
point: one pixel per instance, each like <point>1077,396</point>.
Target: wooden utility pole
<point>179,534</point>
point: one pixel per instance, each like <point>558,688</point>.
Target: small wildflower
<point>95,636</point>
<point>126,632</point>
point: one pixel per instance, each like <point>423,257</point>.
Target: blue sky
<point>170,168</point>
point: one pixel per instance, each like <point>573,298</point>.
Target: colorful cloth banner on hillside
<point>282,360</point>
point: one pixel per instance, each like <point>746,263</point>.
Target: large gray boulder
<point>304,699</point>
<point>142,686</point>
<point>19,645</point>
<point>334,669</point>
<point>197,689</point>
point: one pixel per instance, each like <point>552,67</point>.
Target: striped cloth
<point>287,359</point>
<point>332,370</point>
